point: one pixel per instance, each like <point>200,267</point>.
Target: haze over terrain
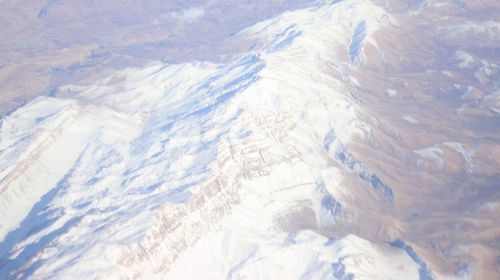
<point>355,139</point>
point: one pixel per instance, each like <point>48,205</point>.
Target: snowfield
<point>207,171</point>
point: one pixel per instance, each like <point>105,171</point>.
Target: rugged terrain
<point>337,140</point>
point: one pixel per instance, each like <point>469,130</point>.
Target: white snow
<point>467,154</point>
<point>304,258</point>
<point>410,119</point>
<point>432,153</point>
<point>392,92</point>
<point>492,101</point>
<point>464,59</point>
<point>197,170</point>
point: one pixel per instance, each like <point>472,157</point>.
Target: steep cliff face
<point>335,148</point>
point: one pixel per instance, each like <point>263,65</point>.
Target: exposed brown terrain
<point>46,44</point>
<point>418,97</point>
<point>429,93</point>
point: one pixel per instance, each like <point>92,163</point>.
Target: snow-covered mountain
<point>290,161</point>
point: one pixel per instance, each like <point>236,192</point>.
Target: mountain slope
<point>283,163</point>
